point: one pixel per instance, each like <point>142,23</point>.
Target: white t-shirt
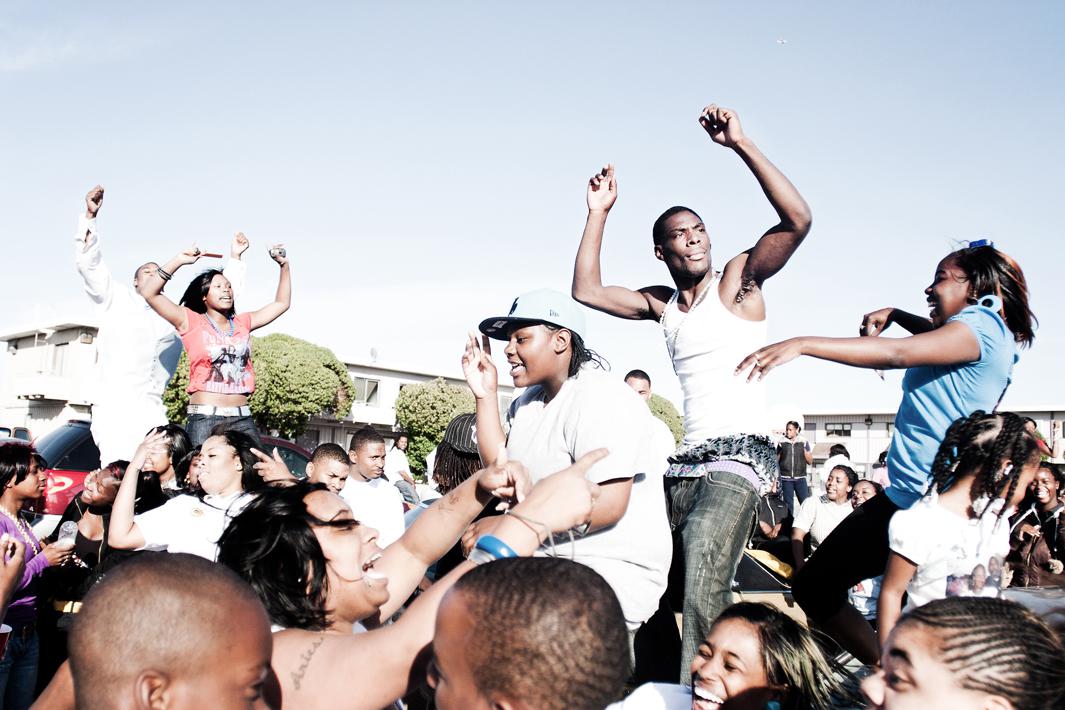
<point>656,696</point>
<point>664,442</point>
<point>950,550</point>
<point>864,595</point>
<point>376,503</point>
<point>591,411</point>
<point>395,461</point>
<point>819,516</point>
<point>187,524</point>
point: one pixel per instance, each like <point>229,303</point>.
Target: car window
<point>296,462</point>
<point>69,447</point>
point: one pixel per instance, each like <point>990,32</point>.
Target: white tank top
<point>706,344</point>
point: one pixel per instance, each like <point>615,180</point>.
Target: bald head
<point>173,627</point>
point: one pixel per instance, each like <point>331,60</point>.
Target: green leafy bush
<point>664,410</point>
<point>424,411</point>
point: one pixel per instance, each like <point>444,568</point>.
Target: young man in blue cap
<point>711,321</point>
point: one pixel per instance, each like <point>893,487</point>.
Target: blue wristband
<point>490,548</point>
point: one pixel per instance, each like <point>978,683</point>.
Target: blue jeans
<point>199,427</point>
<point>794,487</point>
<point>18,672</point>
<point>715,516</point>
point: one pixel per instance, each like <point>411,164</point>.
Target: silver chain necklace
<point>671,335</point>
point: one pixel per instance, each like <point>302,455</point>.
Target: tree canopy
<point>424,411</point>
<point>664,410</point>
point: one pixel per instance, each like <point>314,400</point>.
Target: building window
<point>366,391</point>
<point>837,429</point>
<point>59,353</point>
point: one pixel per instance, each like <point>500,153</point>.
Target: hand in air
<point>190,255</point>
<point>507,480</point>
<point>764,360</point>
<point>876,322</point>
<point>279,254</point>
<point>239,245</point>
<point>477,366</point>
<point>602,190</point>
<point>272,468</point>
<point>93,200</point>
<point>722,124</point>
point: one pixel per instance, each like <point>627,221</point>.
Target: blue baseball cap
<point>543,306</point>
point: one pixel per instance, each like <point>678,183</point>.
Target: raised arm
<point>122,532</point>
<point>483,379</point>
<point>951,344</point>
<point>87,255</point>
<point>236,271</point>
<point>152,289</point>
<point>775,247</point>
<point>588,288</point>
<point>283,298</point>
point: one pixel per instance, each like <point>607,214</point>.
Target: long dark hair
<point>272,546</point>
<point>15,461</point>
<point>196,292</point>
<point>242,443</point>
<point>177,442</point>
<point>992,272</point>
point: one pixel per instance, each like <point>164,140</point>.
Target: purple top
<point>23,607</point>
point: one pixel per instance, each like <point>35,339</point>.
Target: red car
<point>71,453</point>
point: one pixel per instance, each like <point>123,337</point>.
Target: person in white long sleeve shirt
<point>137,351</point>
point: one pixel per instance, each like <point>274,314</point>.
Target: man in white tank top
<point>711,321</point>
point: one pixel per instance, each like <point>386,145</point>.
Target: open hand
<point>722,124</point>
<point>93,200</point>
<point>239,245</point>
<point>602,190</point>
<point>764,360</point>
<point>154,443</point>
<point>272,468</point>
<point>477,366</point>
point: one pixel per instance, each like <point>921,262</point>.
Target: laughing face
<point>685,246</point>
<point>1045,489</point>
<point>728,672</point>
<point>356,589</point>
<point>533,354</point>
<point>949,292</point>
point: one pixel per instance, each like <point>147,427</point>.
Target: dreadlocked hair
<point>581,353</point>
<point>452,467</point>
<point>993,447</point>
<point>997,647</point>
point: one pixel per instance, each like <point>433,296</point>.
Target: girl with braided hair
<point>958,360</point>
<point>943,545</point>
<point>970,652</point>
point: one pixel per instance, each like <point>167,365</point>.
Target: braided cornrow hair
<point>981,444</point>
<point>997,647</point>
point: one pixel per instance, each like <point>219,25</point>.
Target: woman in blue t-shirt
<point>957,360</point>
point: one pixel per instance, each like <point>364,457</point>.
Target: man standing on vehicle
<point>136,350</point>
<point>711,321</point>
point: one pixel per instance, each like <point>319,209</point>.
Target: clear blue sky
<point>425,162</point>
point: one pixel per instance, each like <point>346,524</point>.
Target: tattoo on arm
<point>305,660</point>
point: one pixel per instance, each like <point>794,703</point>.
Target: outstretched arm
<point>951,344</point>
<point>236,271</point>
<point>283,298</point>
<point>123,533</point>
<point>772,251</point>
<point>588,288</point>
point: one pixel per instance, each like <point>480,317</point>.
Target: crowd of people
<point>547,560</point>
